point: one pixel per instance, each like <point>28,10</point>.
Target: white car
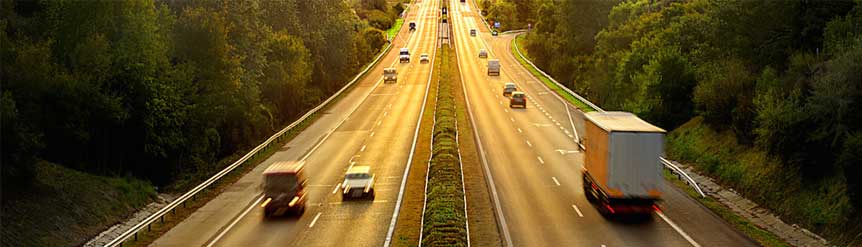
<point>358,183</point>
<point>483,53</point>
<point>423,58</point>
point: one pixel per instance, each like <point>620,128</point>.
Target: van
<point>494,67</point>
<point>390,74</point>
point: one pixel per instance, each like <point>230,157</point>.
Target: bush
<point>380,20</point>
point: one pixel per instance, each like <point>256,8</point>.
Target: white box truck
<point>622,170</point>
<point>494,67</point>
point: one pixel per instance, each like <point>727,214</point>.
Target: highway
<point>532,155</point>
<point>373,124</point>
<point>533,160</point>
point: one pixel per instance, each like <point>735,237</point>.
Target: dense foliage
<point>164,89</point>
<point>784,77</point>
<point>445,221</point>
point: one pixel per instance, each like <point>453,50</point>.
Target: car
<point>494,33</point>
<point>518,99</point>
<point>404,55</point>
<point>472,32</point>
<point>423,58</point>
<point>283,189</point>
<point>483,53</point>
<point>358,183</point>
<point>412,26</point>
<point>509,88</point>
<point>390,74</point>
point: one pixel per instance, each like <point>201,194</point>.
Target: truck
<point>390,74</point>
<point>494,67</point>
<point>404,55</point>
<point>622,170</point>
<point>283,189</point>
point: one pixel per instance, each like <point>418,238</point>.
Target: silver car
<point>358,183</point>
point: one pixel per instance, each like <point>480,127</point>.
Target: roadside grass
<point>410,215</point>
<point>392,31</point>
<point>761,236</point>
<point>517,43</point>
<point>65,207</point>
<point>821,206</point>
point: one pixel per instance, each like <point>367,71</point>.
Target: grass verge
<point>761,236</point>
<point>392,31</point>
<point>821,206</point>
<point>64,207</point>
<point>517,42</point>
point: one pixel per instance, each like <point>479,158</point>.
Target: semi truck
<point>622,170</point>
<point>283,189</point>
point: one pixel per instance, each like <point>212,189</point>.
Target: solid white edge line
<point>314,221</point>
<point>220,235</point>
<point>678,230</point>
<point>395,212</point>
<point>578,211</point>
<point>494,194</point>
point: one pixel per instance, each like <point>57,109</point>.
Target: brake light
<point>611,209</point>
<point>656,208</point>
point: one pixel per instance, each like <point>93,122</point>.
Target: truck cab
<point>404,55</point>
<point>390,75</point>
<point>283,189</point>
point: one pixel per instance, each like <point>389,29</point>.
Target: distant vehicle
<point>493,32</point>
<point>518,99</point>
<point>423,58</point>
<point>472,32</point>
<point>412,26</point>
<point>483,53</point>
<point>390,74</point>
<point>622,173</point>
<point>404,56</point>
<point>358,183</point>
<point>463,1</point>
<point>444,10</point>
<point>509,88</point>
<point>283,189</point>
<point>494,67</point>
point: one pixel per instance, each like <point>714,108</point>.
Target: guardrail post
<point>136,236</point>
<point>163,219</point>
<point>149,227</point>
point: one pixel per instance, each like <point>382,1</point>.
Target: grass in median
<point>410,215</point>
<point>571,98</point>
<point>761,236</point>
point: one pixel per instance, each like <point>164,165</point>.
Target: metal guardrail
<point>159,215</point>
<point>667,163</point>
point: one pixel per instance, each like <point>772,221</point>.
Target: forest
<point>159,90</point>
<point>781,79</point>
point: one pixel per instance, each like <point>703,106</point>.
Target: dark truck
<point>283,189</point>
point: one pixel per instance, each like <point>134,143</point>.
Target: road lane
<point>351,124</point>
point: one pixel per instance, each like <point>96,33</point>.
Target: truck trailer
<point>622,170</point>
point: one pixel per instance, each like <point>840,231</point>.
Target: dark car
<point>494,33</point>
<point>412,26</point>
<point>518,99</point>
<point>509,89</point>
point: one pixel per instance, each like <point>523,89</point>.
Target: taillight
<point>656,208</point>
<point>611,209</point>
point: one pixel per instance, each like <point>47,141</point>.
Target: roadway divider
<point>274,139</point>
<point>444,214</point>
<point>669,165</point>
